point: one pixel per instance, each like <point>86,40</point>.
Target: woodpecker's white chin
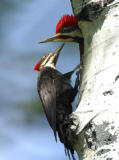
<point>50,59</point>
<point>50,65</point>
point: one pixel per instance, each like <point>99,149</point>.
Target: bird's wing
<point>63,85</point>
<point>69,74</point>
<point>47,92</point>
<point>76,6</point>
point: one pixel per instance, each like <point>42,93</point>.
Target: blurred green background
<point>24,130</point>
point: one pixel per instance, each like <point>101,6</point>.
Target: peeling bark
<point>96,119</point>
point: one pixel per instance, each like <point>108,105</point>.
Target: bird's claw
<point>71,123</point>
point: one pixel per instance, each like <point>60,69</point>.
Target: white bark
<point>97,115</point>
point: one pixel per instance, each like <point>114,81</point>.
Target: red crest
<point>66,21</point>
<point>37,66</point>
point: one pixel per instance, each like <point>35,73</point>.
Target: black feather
<point>57,95</point>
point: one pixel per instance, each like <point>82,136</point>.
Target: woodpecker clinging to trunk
<point>56,95</point>
<point>67,30</point>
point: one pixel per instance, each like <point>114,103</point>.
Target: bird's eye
<point>68,29</point>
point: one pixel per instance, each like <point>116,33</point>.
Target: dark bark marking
<point>116,77</point>
<point>112,127</point>
<point>92,10</point>
<point>98,136</point>
<point>110,92</point>
<point>102,151</point>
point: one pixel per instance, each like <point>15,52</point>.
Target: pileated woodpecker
<point>57,95</point>
<point>67,30</point>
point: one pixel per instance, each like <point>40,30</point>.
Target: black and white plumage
<point>57,94</point>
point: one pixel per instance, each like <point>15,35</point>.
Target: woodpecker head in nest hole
<point>67,30</point>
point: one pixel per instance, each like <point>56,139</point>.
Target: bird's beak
<point>55,54</point>
<point>54,38</point>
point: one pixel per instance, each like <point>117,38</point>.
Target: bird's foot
<point>71,125</point>
<point>74,123</point>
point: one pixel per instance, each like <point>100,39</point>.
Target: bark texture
<point>96,119</point>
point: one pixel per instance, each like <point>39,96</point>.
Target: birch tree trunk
<point>96,119</point>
